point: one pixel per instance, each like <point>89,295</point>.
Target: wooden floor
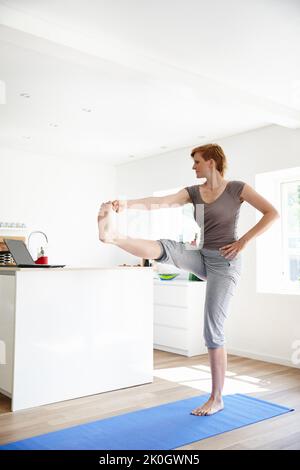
<point>177,377</point>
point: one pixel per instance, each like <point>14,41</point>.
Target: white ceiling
<point>156,75</point>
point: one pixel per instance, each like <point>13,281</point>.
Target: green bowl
<point>168,277</point>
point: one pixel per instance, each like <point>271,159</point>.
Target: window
<point>290,220</point>
<point>174,222</point>
<point>171,223</point>
<point>278,249</point>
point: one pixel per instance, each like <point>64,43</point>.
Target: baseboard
<point>181,352</point>
<point>4,392</point>
<point>236,352</point>
<point>262,357</point>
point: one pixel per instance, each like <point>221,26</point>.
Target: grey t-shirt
<point>218,219</point>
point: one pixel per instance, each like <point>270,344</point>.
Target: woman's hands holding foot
<point>107,233</point>
<point>118,205</point>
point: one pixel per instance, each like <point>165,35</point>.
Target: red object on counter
<point>42,260</point>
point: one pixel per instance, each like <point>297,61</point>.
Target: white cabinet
<point>7,331</point>
<point>64,333</point>
<point>178,316</point>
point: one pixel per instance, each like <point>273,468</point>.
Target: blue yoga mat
<point>161,427</point>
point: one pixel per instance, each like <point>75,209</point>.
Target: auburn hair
<point>215,152</point>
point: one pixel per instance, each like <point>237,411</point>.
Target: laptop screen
<point>19,251</point>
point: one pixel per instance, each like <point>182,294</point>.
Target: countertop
<point>71,268</point>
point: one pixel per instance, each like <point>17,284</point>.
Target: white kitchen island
<point>72,332</point>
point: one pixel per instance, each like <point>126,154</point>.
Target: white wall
<point>61,198</point>
<point>260,325</point>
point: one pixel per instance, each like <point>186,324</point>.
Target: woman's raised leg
<point>147,249</point>
<point>164,250</point>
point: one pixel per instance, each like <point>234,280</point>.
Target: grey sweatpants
<point>221,276</point>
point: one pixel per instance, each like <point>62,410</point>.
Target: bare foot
<point>106,232</point>
<point>211,407</point>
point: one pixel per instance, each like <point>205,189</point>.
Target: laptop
<point>23,258</point>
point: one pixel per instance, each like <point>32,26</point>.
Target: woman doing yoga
<point>217,260</point>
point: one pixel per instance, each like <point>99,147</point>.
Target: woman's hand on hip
<point>230,251</point>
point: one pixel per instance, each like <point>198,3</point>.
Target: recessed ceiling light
<point>52,124</point>
<point>86,110</point>
<point>25,95</point>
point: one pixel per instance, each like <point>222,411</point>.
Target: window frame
<point>285,250</point>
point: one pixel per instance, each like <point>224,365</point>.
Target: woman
<point>217,261</point>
